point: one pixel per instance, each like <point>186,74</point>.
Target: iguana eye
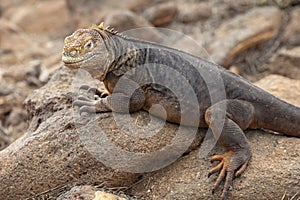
<point>89,45</point>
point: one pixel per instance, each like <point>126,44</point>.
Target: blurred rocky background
<point>258,39</point>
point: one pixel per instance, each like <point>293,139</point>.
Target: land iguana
<point>109,57</point>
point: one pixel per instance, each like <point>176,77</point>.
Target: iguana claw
<point>232,164</point>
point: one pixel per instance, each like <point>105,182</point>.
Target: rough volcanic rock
<point>58,149</point>
<point>161,14</point>
<point>292,32</point>
<point>4,139</point>
<point>286,63</point>
<point>125,20</point>
<point>272,173</point>
<point>132,25</point>
<point>242,32</point>
<point>282,87</point>
<point>42,17</point>
<point>18,39</point>
<point>106,196</point>
<point>12,114</point>
<point>139,5</point>
<point>59,146</point>
<point>194,12</point>
<point>85,192</point>
<point>13,42</point>
<point>50,154</point>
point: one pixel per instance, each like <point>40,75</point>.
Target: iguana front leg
<point>93,101</point>
<point>228,119</point>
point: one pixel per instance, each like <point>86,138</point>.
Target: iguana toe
<point>232,164</point>
<point>94,91</point>
<point>87,109</point>
<point>91,91</point>
<point>83,102</point>
<point>84,87</point>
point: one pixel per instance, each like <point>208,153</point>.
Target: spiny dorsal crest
<point>107,29</point>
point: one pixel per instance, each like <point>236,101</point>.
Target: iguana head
<point>87,49</point>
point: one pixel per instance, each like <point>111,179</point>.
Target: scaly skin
<point>110,57</point>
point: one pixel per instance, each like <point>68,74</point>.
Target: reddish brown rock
<point>286,63</point>
<point>292,32</point>
<point>125,20</point>
<point>43,17</point>
<point>242,32</point>
<point>282,87</point>
<point>161,14</point>
<point>184,43</point>
<point>132,25</point>
<point>13,42</point>
<point>138,5</point>
<point>194,12</point>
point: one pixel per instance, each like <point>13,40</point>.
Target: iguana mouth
<point>75,63</point>
<point>72,65</point>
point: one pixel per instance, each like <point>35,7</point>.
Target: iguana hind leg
<point>227,120</point>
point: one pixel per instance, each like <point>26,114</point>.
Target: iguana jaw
<point>93,62</point>
<point>75,63</point>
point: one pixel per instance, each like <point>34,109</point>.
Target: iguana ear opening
<point>110,60</point>
<point>106,34</point>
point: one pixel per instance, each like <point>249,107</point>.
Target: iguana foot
<point>227,120</point>
<point>92,100</point>
<point>92,106</point>
<point>92,91</point>
<point>232,164</point>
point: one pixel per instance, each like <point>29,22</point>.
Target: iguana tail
<point>280,116</point>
